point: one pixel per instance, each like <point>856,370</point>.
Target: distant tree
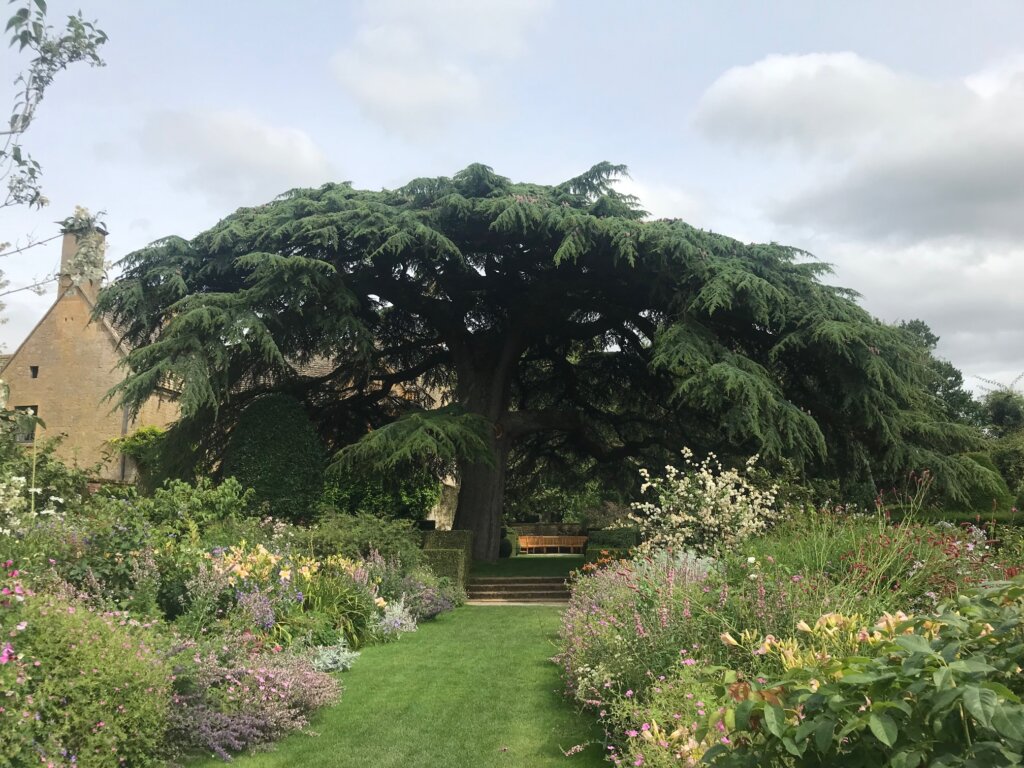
<point>556,317</point>
<point>943,379</point>
<point>1004,407</point>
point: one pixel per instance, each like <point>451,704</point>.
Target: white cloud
<point>969,294</point>
<point>664,201</point>
<point>234,158</point>
<point>894,155</point>
<point>415,66</point>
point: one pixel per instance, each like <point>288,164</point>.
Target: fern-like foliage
<point>557,320</point>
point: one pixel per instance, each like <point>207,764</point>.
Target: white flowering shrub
<point>17,509</point>
<point>702,507</point>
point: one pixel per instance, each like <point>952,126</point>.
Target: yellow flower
<point>381,602</point>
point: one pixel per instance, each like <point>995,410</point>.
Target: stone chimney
<point>81,260</point>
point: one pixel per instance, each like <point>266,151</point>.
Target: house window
<point>34,371</point>
<point>25,428</point>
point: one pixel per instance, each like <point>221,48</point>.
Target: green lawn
<point>530,565</point>
<point>473,689</point>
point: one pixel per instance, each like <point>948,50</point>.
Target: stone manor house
<point>63,371</point>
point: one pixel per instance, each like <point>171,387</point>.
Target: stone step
<point>514,596</point>
<point>517,580</point>
<point>519,586</point>
<point>518,601</point>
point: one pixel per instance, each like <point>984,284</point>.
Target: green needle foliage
<point>558,324</point>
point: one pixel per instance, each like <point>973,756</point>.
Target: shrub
<point>427,595</point>
<point>614,538</point>
<point>597,553</point>
<point>926,691</point>
<point>182,507</point>
<point>447,563</point>
<point>356,536</point>
<point>702,507</point>
<point>275,450</point>
<point>230,695</point>
<point>143,447</point>
<point>81,686</point>
<point>334,658</point>
<point>625,621</point>
<point>345,601</point>
<point>408,493</point>
<point>513,538</point>
<point>448,540</point>
<point>395,621</point>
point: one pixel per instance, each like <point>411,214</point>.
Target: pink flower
<point>7,653</point>
<point>629,694</point>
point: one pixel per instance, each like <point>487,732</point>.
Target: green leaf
<point>743,715</point>
<point>775,720</point>
<point>943,678</point>
<point>791,746</point>
<point>981,703</point>
<point>914,644</point>
<point>807,727</point>
<point>1002,690</point>
<point>1009,723</point>
<point>884,728</point>
<point>971,665</point>
<point>823,735</point>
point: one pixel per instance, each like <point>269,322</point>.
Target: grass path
<point>473,689</point>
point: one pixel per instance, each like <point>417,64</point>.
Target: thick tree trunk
<point>481,504</point>
<point>485,368</point>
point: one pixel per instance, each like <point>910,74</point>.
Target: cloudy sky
<point>886,138</point>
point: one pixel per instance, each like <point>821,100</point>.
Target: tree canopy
<point>558,322</point>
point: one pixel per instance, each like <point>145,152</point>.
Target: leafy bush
<point>275,450</point>
<point>625,621</point>
<point>81,686</point>
<point>143,447</point>
<point>614,538</point>
<point>941,690</point>
<point>356,536</point>
<point>703,507</point>
<point>596,553</point>
<point>230,695</point>
<point>344,601</point>
<point>407,494</point>
<point>334,658</point>
<point>395,621</point>
<point>447,563</point>
<point>427,595</point>
<point>183,507</point>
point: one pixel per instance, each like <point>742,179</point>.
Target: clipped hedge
<point>595,553</point>
<point>618,538</point>
<point>449,563</point>
<point>461,541</point>
<point>275,450</point>
<point>512,536</point>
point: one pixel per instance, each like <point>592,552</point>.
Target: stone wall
<point>65,369</point>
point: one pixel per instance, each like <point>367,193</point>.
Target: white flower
<point>35,490</point>
<point>56,499</point>
<point>751,560</point>
<point>752,576</point>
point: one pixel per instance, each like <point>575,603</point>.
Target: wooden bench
<point>538,544</point>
